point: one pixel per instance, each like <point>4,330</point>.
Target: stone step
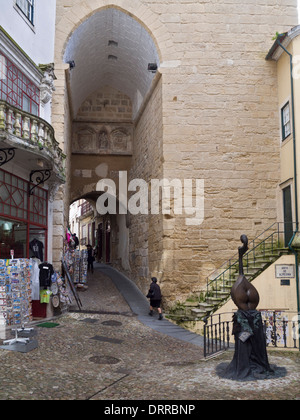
<point>191,304</point>
<point>256,266</point>
<point>205,305</point>
<point>248,275</point>
<point>263,256</point>
<point>220,294</point>
<point>252,266</point>
<point>213,300</point>
<point>199,313</point>
<point>227,287</point>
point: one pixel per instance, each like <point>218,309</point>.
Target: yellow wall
<point>296,55</point>
<point>284,95</point>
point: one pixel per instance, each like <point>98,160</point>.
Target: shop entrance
<point>23,219</point>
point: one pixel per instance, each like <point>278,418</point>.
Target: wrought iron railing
<point>263,245</point>
<point>216,334</point>
<point>28,130</point>
<point>282,331</point>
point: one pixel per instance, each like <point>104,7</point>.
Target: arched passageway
<point>110,90</point>
<point>110,48</point>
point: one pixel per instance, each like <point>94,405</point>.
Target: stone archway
<point>198,120</point>
<point>69,19</point>
<point>109,105</point>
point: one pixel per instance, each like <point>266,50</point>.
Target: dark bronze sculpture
<point>243,293</point>
<point>250,359</point>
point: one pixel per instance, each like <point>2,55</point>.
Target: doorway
<point>288,215</point>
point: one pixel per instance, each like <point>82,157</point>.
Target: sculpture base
<point>250,359</point>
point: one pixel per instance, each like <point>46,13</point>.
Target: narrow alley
<point>107,352</point>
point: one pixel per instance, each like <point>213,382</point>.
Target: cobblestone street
<point>111,355</point>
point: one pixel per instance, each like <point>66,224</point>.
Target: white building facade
<point>31,162</point>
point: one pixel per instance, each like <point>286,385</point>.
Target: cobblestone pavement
<point>111,355</point>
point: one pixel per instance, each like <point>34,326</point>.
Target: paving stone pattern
<point>133,362</point>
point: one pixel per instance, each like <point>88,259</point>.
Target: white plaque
<point>285,271</point>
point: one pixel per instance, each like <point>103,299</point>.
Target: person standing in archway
<point>154,295</point>
<point>90,258</point>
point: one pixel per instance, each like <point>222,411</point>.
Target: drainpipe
<point>294,251</point>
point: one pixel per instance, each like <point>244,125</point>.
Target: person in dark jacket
<point>76,240</point>
<point>90,258</point>
<point>155,298</point>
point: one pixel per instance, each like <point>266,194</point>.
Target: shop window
<point>37,242</point>
<point>84,235</point>
<point>23,218</point>
<point>38,207</point>
<point>27,8</point>
<point>285,121</point>
<point>85,208</point>
<point>13,236</point>
<point>16,88</point>
<point>13,196</point>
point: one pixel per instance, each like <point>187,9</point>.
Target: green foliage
<point>278,35</point>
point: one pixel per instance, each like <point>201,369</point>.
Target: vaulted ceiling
<point>110,49</point>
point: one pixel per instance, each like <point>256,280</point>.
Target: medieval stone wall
<point>146,231</point>
<point>217,121</point>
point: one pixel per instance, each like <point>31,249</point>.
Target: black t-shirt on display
<point>46,271</point>
<point>37,248</point>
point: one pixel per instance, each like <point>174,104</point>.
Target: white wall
<point>38,40</point>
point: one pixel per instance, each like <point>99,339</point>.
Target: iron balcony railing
<point>263,245</point>
<point>24,130</point>
<point>282,331</point>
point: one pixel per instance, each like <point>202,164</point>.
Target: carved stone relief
<point>120,140</point>
<point>104,140</point>
<point>47,85</point>
<point>85,140</point>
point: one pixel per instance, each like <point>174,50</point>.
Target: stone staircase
<point>262,253</point>
<point>220,292</point>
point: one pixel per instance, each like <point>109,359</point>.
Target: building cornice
<point>285,39</point>
<point>19,57</point>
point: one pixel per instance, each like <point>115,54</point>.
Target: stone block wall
<point>146,231</point>
<point>212,116</point>
<point>107,105</point>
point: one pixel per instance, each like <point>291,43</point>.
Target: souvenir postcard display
<point>15,293</point>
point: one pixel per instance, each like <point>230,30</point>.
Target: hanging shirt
<point>46,271</point>
<point>45,296</point>
<point>35,281</point>
<point>37,248</point>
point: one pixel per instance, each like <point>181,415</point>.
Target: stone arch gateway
<point>108,86</point>
<point>208,113</point>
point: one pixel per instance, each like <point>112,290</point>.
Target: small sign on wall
<point>285,282</point>
<point>286,271</point>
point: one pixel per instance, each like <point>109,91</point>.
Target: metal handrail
<point>233,267</point>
